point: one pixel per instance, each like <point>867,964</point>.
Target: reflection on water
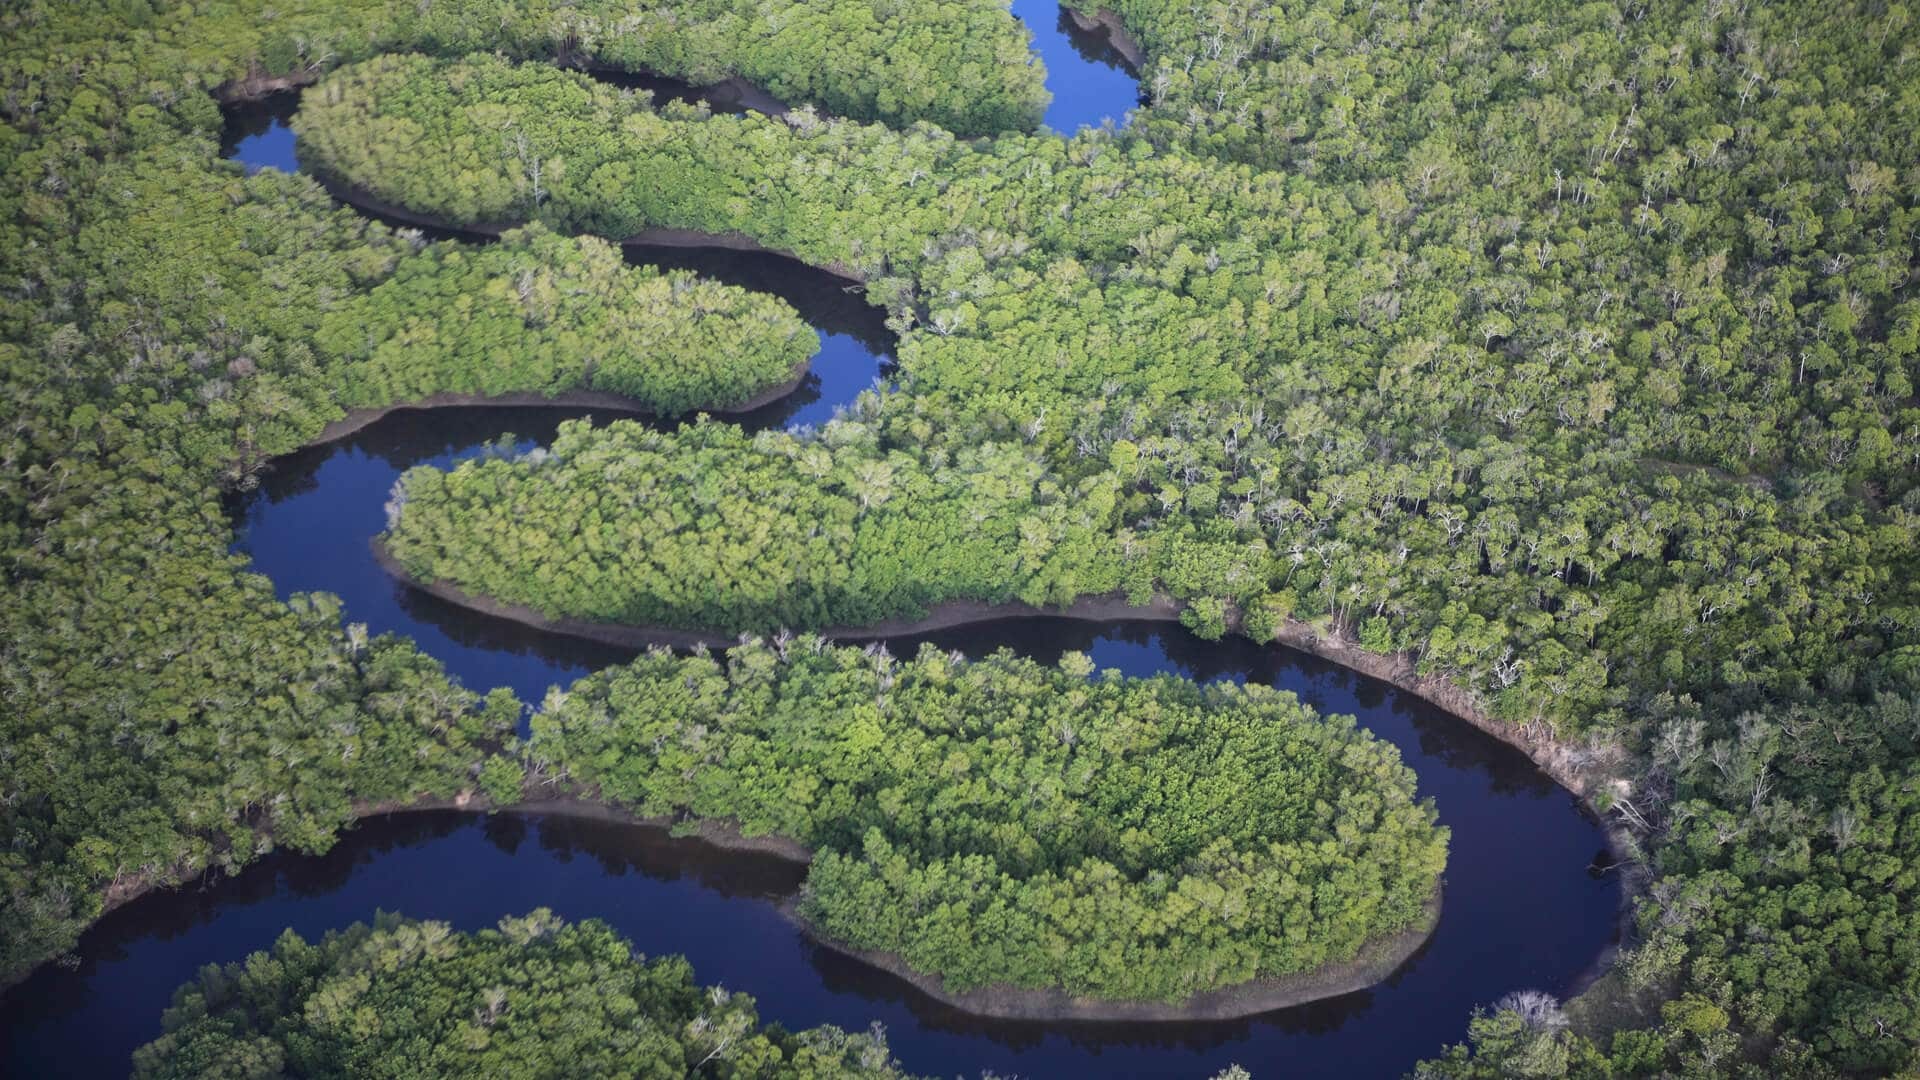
<point>1089,80</point>
<point>256,134</point>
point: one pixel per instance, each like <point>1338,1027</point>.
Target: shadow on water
<point>718,99</point>
<point>259,135</point>
<point>1095,46</point>
<point>1089,79</point>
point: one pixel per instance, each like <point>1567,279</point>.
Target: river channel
<point>1526,905</point>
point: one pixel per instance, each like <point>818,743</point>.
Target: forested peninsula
<point>1003,825</point>
<point>536,997</point>
<point>540,314</point>
<point>1564,352</point>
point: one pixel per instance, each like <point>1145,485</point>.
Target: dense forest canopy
<point>537,997</point>
<point>543,314</point>
<point>169,326</point>
<point>999,822</point>
<point>1563,598</point>
<point>1568,348</point>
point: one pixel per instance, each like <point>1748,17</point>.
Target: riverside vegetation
<point>1571,352</point>
<point>314,311</point>
<point>169,325</point>
<point>542,314</point>
<point>1000,822</point>
<point>536,997</point>
<point>1566,550</point>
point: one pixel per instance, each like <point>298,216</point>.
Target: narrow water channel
<point>1525,907</point>
<point>308,524</point>
<point>719,99</point>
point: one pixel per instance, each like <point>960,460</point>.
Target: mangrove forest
<point>818,538</point>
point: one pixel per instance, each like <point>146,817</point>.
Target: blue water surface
<point>259,134</point>
<point>1090,81</point>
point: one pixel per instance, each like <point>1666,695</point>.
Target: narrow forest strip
<point>1376,961</point>
<point>653,236</point>
<point>946,615</point>
<point>618,404</point>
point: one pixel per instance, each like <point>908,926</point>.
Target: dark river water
<point>1524,906</point>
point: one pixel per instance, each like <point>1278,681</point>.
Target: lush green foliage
<point>708,525</point>
<point>1526,577</point>
<point>540,313</point>
<point>1800,916</point>
<point>1100,332</point>
<point>1002,822</point>
<point>1573,352</point>
<point>1587,379</point>
<point>171,324</point>
<point>535,998</point>
<point>964,65</point>
<point>961,64</point>
<point>165,712</point>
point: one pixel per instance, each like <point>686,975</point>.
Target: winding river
<point>1525,905</point>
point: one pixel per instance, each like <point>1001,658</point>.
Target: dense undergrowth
<point>1571,349</point>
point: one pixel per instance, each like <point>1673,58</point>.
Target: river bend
<point>1524,908</point>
